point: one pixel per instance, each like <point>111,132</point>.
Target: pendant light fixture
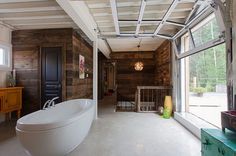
<point>138,66</point>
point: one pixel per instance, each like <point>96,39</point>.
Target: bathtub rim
<point>23,127</point>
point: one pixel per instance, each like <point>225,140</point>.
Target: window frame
<point>181,53</point>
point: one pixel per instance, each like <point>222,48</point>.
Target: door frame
<point>63,67</point>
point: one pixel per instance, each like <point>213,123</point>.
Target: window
<point>203,71</point>
<point>205,84</point>
<point>206,30</point>
<point>5,57</point>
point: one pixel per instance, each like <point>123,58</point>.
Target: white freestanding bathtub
<point>58,130</point>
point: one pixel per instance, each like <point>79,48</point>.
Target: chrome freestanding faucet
<point>50,103</point>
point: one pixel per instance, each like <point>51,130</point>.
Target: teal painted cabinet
<point>215,142</point>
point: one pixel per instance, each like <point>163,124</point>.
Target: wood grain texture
<point>163,64</point>
<point>27,45</point>
<point>127,78</point>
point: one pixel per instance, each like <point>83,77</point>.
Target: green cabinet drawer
<point>216,143</point>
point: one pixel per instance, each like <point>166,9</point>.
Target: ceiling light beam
<point>166,16</point>
<point>115,16</point>
<point>140,18</point>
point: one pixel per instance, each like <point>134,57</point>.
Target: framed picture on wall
<point>81,67</point>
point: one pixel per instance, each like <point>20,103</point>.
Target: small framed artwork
<point>81,67</point>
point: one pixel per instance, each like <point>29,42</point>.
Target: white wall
<point>5,38</point>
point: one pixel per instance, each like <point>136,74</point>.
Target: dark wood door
<point>51,74</point>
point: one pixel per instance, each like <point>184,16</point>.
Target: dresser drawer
<point>11,100</point>
<point>213,147</point>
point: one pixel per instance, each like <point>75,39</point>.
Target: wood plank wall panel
<point>82,87</point>
<point>163,64</point>
<point>26,64</point>
<point>26,61</point>
<point>101,71</point>
<point>127,78</point>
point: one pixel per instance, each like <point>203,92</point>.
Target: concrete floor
<point>121,134</point>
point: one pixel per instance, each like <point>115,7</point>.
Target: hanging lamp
<point>138,66</point>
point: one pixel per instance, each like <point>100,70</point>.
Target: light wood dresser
<point>11,100</point>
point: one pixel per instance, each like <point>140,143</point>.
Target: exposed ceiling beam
<point>104,47</point>
<point>38,21</point>
<point>110,25</point>
<point>135,21</point>
<point>175,23</point>
<point>175,15</point>
<point>33,15</point>
<point>45,23</point>
<point>7,25</point>
<point>135,36</point>
<point>140,18</point>
<point>149,9</point>
<point>166,16</point>
<point>124,3</point>
<point>34,18</point>
<point>14,1</point>
<point>115,16</point>
<point>46,26</point>
<point>80,14</point>
<point>143,21</point>
<point>18,10</point>
<point>25,5</point>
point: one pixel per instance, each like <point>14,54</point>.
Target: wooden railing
<point>124,104</point>
<point>149,98</point>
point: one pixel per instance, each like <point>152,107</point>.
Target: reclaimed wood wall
<point>127,78</point>
<point>81,88</point>
<point>26,60</point>
<point>101,78</point>
<point>163,64</point>
<point>157,70</point>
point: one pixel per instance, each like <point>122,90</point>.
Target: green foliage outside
<point>199,90</point>
<point>209,66</point>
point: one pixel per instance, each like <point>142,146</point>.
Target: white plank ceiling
<point>34,14</point>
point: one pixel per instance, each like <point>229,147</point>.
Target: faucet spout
<point>52,102</point>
